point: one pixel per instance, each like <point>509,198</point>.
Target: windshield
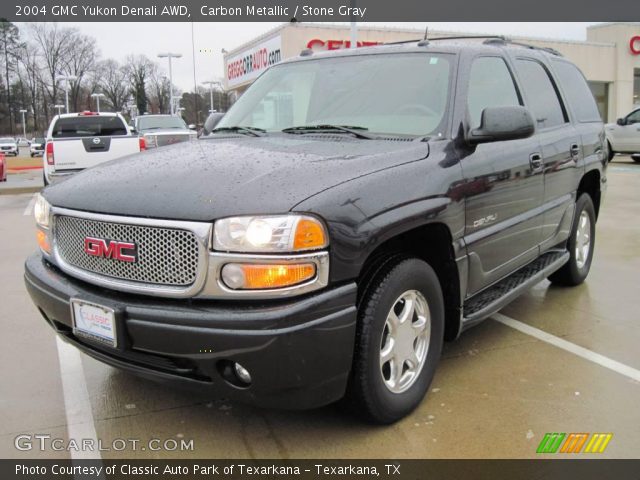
<point>7,140</point>
<point>403,94</point>
<point>155,123</point>
<point>38,140</point>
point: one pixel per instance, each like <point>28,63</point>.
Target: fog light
<point>243,374</point>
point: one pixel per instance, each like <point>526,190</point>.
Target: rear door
<point>504,183</point>
<point>561,147</point>
<point>87,140</point>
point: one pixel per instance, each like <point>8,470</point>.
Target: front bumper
<point>298,351</point>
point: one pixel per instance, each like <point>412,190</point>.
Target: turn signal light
<point>309,235</point>
<point>266,276</point>
<point>43,241</point>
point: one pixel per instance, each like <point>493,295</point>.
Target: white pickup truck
<point>76,141</point>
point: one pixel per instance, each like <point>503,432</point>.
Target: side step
<point>489,301</point>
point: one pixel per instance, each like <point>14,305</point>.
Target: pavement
<point>24,174</point>
<point>554,360</point>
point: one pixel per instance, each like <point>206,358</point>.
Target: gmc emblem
<point>122,251</point>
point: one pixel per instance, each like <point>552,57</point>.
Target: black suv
<point>349,213</point>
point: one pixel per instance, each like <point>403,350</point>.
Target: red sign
<point>336,44</point>
<point>99,247</point>
<point>634,45</point>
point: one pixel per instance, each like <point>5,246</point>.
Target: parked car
<point>161,130</point>
<point>8,146</point>
<point>337,225</point>
<point>3,168</point>
<point>624,135</point>
<point>37,146</point>
<point>76,141</point>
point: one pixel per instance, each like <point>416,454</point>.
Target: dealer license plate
<point>93,321</point>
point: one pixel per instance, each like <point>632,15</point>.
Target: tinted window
<point>634,117</point>
<point>490,85</point>
<point>540,93</point>
<point>89,126</point>
<point>156,123</point>
<point>577,92</point>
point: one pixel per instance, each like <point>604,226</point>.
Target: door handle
<point>535,160</point>
<point>574,150</point>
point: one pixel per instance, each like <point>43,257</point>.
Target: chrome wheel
<point>583,239</point>
<point>405,341</point>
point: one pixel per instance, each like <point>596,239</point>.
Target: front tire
<point>581,244</point>
<point>636,157</point>
<point>398,341</point>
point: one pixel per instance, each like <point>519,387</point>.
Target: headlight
<point>42,210</point>
<point>286,233</point>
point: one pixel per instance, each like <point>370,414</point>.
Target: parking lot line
<point>594,357</point>
<point>28,211</point>
<point>80,423</point>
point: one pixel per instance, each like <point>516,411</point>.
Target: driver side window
<point>633,118</point>
<point>490,85</point>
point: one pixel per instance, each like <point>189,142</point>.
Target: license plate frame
<point>94,322</point>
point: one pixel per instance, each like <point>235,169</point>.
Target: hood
<point>217,177</point>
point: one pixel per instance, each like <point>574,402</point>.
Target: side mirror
<point>502,123</point>
<point>191,126</point>
<point>211,122</point>
<point>621,121</point>
<point>132,129</point>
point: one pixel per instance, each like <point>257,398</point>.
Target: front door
<point>504,184</point>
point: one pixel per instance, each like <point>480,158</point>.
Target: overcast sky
<point>117,40</point>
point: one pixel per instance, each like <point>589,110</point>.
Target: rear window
<point>38,140</point>
<point>577,91</point>
<point>89,126</point>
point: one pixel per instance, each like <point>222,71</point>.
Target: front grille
<point>165,256</point>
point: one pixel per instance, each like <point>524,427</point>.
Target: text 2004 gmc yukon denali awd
<point>349,213</point>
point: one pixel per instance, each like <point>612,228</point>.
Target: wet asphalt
<point>496,393</point>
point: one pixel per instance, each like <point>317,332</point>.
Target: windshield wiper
<point>353,130</point>
<point>255,131</point>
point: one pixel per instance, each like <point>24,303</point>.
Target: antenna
<point>426,32</point>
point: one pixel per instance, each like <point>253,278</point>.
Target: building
<point>609,58</point>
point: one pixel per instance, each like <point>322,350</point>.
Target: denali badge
<point>99,247</point>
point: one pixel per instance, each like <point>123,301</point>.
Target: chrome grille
<point>165,256</point>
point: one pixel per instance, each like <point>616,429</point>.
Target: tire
<point>611,152</point>
<point>575,271</point>
<point>44,179</point>
<point>395,285</point>
<point>636,157</point>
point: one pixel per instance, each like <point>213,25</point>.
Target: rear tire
<point>636,157</point>
<point>44,179</point>
<point>611,152</point>
<point>398,341</point>
<point>581,244</point>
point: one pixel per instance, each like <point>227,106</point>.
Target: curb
<point>18,190</point>
<point>20,169</point>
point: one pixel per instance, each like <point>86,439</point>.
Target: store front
<point>609,58</point>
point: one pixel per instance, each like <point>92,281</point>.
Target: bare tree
<point>138,69</point>
<point>159,88</point>
<point>111,79</point>
<point>80,60</point>
<point>10,40</point>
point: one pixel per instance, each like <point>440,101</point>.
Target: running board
<point>489,301</point>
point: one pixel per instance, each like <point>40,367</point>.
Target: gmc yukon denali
<point>351,212</point>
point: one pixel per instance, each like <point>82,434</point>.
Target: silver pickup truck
<point>76,141</point>
<point>161,130</point>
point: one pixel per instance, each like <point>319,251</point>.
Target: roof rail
<point>550,50</point>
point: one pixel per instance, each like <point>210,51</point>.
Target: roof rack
<point>488,40</point>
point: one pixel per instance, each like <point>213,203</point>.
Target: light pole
<point>170,55</point>
<point>97,96</point>
<point>175,103</point>
<point>211,83</point>
<point>59,107</point>
<point>67,79</point>
<point>24,125</point>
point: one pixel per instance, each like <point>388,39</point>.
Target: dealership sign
<point>249,64</point>
<point>634,45</point>
<point>317,44</point>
